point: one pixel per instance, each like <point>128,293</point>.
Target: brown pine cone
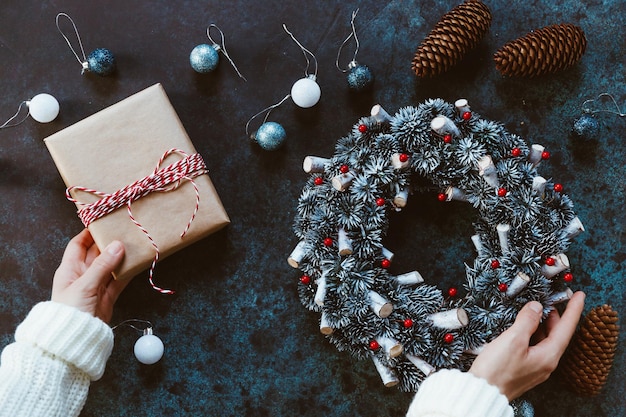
<point>458,31</point>
<point>543,51</point>
<point>589,357</point>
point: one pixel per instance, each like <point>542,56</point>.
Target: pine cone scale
<point>589,358</point>
<point>546,50</point>
<point>458,31</point>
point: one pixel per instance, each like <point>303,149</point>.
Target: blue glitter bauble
<point>101,62</point>
<point>360,78</point>
<point>522,408</point>
<point>204,58</point>
<point>586,127</point>
<point>270,136</point>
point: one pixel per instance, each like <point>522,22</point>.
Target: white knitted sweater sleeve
<point>452,393</point>
<point>58,351</point>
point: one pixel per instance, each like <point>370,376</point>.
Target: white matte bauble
<point>43,108</point>
<point>149,349</point>
<point>306,92</point>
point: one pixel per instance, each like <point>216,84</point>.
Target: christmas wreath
<point>406,327</point>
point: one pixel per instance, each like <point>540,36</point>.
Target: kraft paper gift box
<point>120,145</point>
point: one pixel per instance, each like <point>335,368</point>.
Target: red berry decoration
<point>558,187</point>
<point>495,264</point>
<point>516,152</point>
<point>374,345</point>
<point>467,115</point>
<point>403,157</point>
<point>502,287</point>
<point>448,338</point>
<point>385,263</point>
<point>452,292</point>
<point>545,155</point>
<point>318,181</point>
<point>380,202</point>
<point>305,279</point>
<point>328,242</point>
<point>344,169</point>
<point>407,323</point>
<point>447,138</point>
<point>362,128</point>
<point>568,277</point>
<point>502,192</point>
<point>550,261</point>
<point>442,197</point>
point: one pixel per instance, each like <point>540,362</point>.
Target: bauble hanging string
<point>359,77</point>
<point>587,126</point>
<point>270,135</point>
<point>204,58</point>
<point>305,92</point>
<point>148,348</point>
<point>100,61</point>
<point>44,108</point>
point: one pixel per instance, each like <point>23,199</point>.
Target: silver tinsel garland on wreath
<point>406,327</point>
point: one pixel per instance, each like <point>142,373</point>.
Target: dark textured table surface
<point>237,340</point>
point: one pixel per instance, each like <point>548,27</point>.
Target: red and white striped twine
<point>161,180</point>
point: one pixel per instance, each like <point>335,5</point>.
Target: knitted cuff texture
<point>78,338</point>
<point>452,393</point>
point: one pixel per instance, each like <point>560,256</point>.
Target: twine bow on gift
<point>161,180</point>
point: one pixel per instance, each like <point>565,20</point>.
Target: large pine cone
<point>589,357</point>
<point>458,31</point>
<point>543,51</point>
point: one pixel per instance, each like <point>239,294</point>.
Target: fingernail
<point>115,247</point>
<point>535,306</point>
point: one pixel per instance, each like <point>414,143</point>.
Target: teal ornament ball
<point>360,77</point>
<point>204,58</point>
<point>522,408</point>
<point>586,127</point>
<point>270,136</point>
<point>101,62</point>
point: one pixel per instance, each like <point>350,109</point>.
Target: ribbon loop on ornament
<point>588,109</point>
<point>19,109</point>
<point>83,61</point>
<point>222,46</point>
<point>304,52</point>
<point>164,179</point>
<point>356,41</point>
